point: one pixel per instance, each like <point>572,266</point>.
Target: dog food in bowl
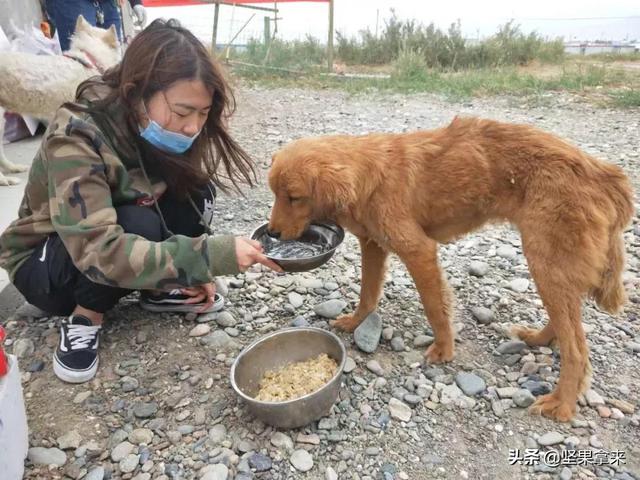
<point>296,379</point>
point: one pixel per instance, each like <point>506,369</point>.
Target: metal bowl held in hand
<point>315,246</point>
<point>277,350</point>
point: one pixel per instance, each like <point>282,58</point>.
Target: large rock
<point>367,335</point>
<point>330,308</point>
<point>301,460</point>
<point>399,410</point>
<point>47,456</point>
<point>470,383</point>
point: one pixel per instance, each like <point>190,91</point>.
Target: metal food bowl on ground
<point>325,237</point>
<point>277,350</point>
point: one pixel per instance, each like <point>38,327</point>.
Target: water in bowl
<point>287,249</point>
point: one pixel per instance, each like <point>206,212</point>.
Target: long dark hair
<point>160,55</point>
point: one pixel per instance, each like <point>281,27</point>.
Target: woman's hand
<point>201,293</point>
<point>250,252</point>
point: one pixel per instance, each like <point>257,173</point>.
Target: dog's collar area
<point>88,62</point>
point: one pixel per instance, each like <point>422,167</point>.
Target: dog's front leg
<point>420,255</point>
<point>373,269</point>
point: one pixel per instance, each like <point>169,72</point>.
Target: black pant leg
<point>50,281</point>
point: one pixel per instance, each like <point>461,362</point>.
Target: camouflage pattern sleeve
<point>82,213</point>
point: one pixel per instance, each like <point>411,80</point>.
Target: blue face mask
<point>165,140</point>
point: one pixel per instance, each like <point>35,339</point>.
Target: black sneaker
<point>76,357</point>
<point>174,301</point>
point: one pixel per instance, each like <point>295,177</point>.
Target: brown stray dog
<point>405,193</point>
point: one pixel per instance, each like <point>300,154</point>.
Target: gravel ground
<point>161,406</point>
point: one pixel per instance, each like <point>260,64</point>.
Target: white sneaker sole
<point>74,376</point>
<point>181,307</point>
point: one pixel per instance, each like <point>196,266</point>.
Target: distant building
<point>590,48</point>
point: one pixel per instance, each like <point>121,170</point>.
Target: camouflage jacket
<point>77,178</point>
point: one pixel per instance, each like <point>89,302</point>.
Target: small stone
<point>506,392</point>
<point>412,400</point>
<point>200,330</point>
<point>387,333</point>
<point>616,414</point>
<point>295,299</point>
<point>523,398</point>
<point>507,251</point>
<point>397,344</point>
<point>593,398</point>
<point>519,285</point>
<point>141,436</point>
<point>217,434</point>
<point>23,347</point>
<point>311,439</point>
<point>375,367</point>
<point>450,393</point>
<point>511,346</point>
<point>300,321</point>
<point>478,269</point>
<point>95,474</point>
<point>217,340</point>
<point>121,450</point>
<point>260,462</point>
<point>603,411</point>
<point>550,438</point>
<point>595,442</point>
<point>470,383</point>
<point>422,341</point>
<point>483,315</point>
<point>71,439</point>
<point>566,474</point>
<point>218,471</point>
<point>82,396</point>
<point>330,308</point>
<point>226,320</point>
<point>367,335</point>
<point>282,441</point>
<point>301,460</point>
<point>399,410</point>
<point>330,474</point>
<point>622,405</point>
<point>349,365</point>
<point>129,463</point>
<point>47,456</point>
<point>145,410</point>
<point>35,366</point>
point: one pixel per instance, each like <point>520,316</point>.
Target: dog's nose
<point>273,234</point>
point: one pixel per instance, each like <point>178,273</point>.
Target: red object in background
<point>185,3</point>
<point>4,367</point>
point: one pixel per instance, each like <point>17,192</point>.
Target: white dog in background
<point>38,84</point>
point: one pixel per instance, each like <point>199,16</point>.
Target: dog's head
<point>310,181</point>
<point>99,43</point>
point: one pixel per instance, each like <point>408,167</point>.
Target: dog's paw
<point>552,406</point>
<point>438,353</point>
<point>346,323</point>
<point>6,181</point>
<point>530,336</point>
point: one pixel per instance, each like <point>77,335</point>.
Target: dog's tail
<point>610,294</point>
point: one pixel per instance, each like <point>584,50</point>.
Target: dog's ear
<point>333,187</point>
<point>81,24</point>
<point>111,36</point>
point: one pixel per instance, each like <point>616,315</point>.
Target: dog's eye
<point>293,199</point>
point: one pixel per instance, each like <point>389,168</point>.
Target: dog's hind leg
<point>560,268</point>
<point>534,337</point>
<point>420,254</point>
<point>373,270</point>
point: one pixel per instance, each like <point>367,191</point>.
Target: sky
<point>571,19</point>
